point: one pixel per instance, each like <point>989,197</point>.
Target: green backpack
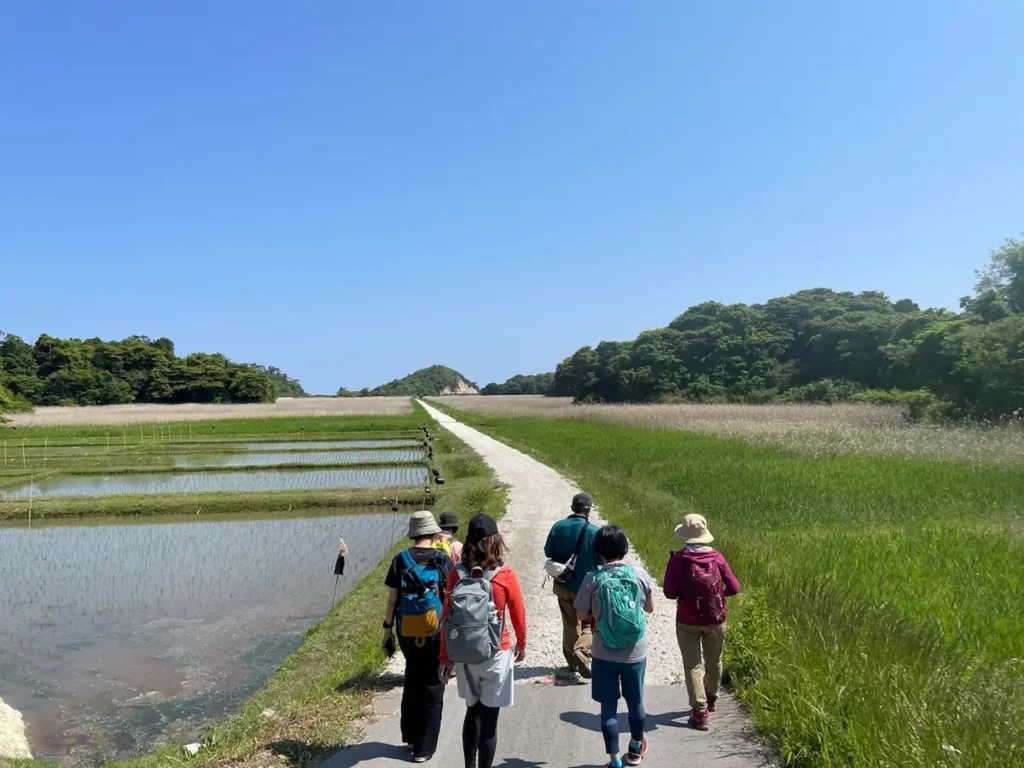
<point>622,621</point>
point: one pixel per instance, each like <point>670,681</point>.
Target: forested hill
<point>823,345</point>
<point>426,382</point>
<point>94,372</point>
<point>529,384</point>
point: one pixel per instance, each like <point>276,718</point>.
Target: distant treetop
<point>426,382</point>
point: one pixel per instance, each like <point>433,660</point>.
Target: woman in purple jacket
<point>699,579</point>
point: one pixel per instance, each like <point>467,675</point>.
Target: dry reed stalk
<point>809,429</point>
<point>149,413</point>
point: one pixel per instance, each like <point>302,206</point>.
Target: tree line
<point>56,371</point>
<point>528,384</point>
<point>824,345</point>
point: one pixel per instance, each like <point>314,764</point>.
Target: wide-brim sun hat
<point>422,524</point>
<point>449,522</point>
<point>694,530</point>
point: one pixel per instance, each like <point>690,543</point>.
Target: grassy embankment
<point>882,622</point>
<point>321,689</point>
<point>34,454</point>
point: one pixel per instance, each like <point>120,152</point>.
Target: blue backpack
<point>419,603</point>
<point>622,623</point>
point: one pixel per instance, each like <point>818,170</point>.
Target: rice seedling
<point>815,430</point>
<point>882,622</point>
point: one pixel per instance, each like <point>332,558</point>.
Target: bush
<point>918,403</point>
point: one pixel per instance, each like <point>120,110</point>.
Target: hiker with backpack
<point>475,644</point>
<point>417,581</point>
<point>615,597</point>
<point>570,552</point>
<point>699,579</point>
<point>445,540</point>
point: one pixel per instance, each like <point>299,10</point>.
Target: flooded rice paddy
<point>117,637</point>
<point>268,459</point>
<point>151,483</point>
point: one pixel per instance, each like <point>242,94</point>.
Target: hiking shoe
<point>712,702</point>
<point>582,664</point>
<point>637,750</point>
<point>421,758</point>
<point>614,764</point>
<point>699,720</point>
<point>567,676</point>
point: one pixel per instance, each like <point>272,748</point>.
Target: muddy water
<point>268,459</point>
<point>117,637</point>
<point>149,483</point>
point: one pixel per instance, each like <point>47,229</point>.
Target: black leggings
<point>480,735</point>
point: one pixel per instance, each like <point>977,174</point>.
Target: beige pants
<point>702,660</point>
<point>575,638</point>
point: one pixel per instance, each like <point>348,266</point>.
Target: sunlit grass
<point>882,622</point>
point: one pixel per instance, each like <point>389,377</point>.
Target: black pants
<point>423,694</point>
<point>480,735</point>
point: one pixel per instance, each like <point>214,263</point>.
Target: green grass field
<point>882,621</point>
<point>320,690</point>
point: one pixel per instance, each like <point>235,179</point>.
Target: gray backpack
<point>472,627</point>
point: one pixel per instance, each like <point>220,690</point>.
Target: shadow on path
<point>367,752</point>
<point>591,721</point>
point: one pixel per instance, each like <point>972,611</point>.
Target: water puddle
<point>267,459</point>
<point>115,638</point>
<point>150,483</point>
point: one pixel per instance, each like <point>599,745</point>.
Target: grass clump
<point>883,618</point>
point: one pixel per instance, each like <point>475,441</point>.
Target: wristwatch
<point>388,625</point>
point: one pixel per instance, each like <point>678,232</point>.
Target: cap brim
<point>704,538</point>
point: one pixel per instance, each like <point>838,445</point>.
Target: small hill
<point>426,382</point>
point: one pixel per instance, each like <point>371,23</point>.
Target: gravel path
<point>12,733</point>
<point>538,497</point>
<point>554,726</point>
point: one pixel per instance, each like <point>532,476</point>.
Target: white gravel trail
<point>13,742</point>
<point>537,498</point>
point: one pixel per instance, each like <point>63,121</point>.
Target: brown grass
<point>148,413</point>
<point>810,429</point>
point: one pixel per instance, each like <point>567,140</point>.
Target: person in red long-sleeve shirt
<point>488,686</point>
<point>699,579</point>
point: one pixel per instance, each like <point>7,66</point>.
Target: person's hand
<point>446,673</point>
<point>384,640</point>
<point>520,654</point>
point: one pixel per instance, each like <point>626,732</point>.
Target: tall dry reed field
<point>882,619</point>
<point>151,413</point>
<point>816,430</point>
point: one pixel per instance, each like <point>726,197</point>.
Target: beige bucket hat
<point>422,524</point>
<point>694,530</point>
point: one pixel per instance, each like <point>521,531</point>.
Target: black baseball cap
<point>582,501</point>
<point>480,527</point>
<point>449,521</point>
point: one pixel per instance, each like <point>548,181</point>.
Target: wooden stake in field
<point>31,489</point>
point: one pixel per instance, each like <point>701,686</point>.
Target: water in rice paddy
<point>150,483</point>
<point>267,459</point>
<point>117,637</point>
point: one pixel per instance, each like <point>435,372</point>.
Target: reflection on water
<point>204,482</point>
<point>261,459</point>
<point>306,445</point>
<point>115,638</point>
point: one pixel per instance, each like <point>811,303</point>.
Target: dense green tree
<point>538,384</point>
<point>57,371</point>
<point>823,345</point>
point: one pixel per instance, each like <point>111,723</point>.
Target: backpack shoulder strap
<point>407,559</point>
<point>579,539</point>
<point>489,575</point>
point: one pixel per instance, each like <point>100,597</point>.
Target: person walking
<point>445,540</point>
<point>570,543</point>
<point>475,642</point>
<point>616,597</point>
<point>416,581</point>
<point>699,579</point>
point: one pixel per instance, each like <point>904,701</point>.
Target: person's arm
<point>732,584</point>
<point>584,600</point>
<point>648,588</point>
<point>670,584</point>
<point>389,615</point>
<point>445,612</point>
<point>517,612</point>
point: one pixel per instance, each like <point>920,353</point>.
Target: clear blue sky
<point>351,190</point>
